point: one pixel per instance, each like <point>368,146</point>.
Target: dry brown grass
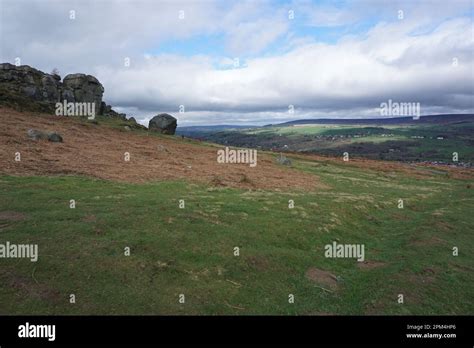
<point>98,151</point>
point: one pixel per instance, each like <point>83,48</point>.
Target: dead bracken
<point>99,152</point>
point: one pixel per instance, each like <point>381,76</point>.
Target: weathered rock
<point>109,112</point>
<point>163,123</point>
<point>55,137</point>
<point>50,88</point>
<point>68,95</point>
<point>85,88</point>
<point>162,148</point>
<point>102,108</point>
<point>134,124</point>
<point>25,86</point>
<point>29,88</point>
<point>37,134</point>
<point>283,160</point>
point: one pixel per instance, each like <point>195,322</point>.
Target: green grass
<point>190,250</point>
<point>394,142</point>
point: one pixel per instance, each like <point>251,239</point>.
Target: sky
<point>256,61</point>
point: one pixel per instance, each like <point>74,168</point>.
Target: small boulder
<point>55,137</point>
<point>163,123</point>
<point>162,148</point>
<point>283,160</point>
<point>37,134</point>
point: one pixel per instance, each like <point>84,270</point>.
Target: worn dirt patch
<point>323,278</point>
<point>98,151</point>
<point>427,242</point>
<point>27,285</point>
<point>8,218</point>
<point>398,216</point>
<point>260,263</point>
<point>89,218</point>
<point>370,264</point>
<point>12,216</point>
<point>377,306</point>
<point>426,276</point>
<point>444,226</point>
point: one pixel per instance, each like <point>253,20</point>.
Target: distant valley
<point>439,139</point>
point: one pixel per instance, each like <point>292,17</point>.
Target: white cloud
<point>350,77</point>
<point>353,74</point>
<point>253,37</point>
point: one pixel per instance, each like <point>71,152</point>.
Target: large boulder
<point>83,88</point>
<point>163,123</point>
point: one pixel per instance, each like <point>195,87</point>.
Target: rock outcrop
<point>163,123</point>
<point>22,85</point>
<point>27,88</point>
<point>107,110</point>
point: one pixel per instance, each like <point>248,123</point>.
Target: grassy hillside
<point>191,251</point>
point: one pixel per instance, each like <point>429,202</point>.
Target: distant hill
<point>432,119</point>
<point>430,138</point>
<point>193,130</point>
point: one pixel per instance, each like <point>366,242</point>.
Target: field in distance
<point>431,139</point>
